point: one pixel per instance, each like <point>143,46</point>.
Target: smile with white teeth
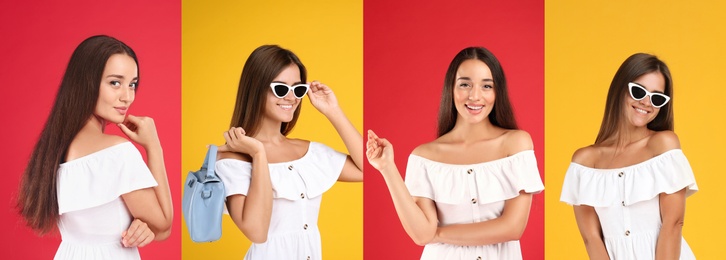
<point>641,110</point>
<point>286,107</point>
<point>472,107</point>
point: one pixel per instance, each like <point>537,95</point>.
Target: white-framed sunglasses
<point>280,90</point>
<point>639,92</point>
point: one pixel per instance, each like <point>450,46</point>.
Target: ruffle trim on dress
<point>319,169</point>
<point>668,173</point>
<point>497,180</point>
<point>101,177</point>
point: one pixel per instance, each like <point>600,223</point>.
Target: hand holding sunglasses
<point>280,90</point>
<point>322,97</point>
<point>639,92</point>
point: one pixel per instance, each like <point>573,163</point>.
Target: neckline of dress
<point>475,164</point>
<point>629,166</point>
<point>93,154</point>
<point>310,145</point>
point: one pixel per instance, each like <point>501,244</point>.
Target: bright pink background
<point>38,39</point>
<point>408,46</point>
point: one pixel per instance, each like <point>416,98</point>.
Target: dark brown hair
<point>74,106</point>
<point>635,66</point>
<point>501,114</point>
<point>261,68</point>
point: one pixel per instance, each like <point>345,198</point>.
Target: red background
<point>38,39</point>
<point>408,46</point>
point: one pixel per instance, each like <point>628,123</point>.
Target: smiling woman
<point>94,186</point>
<point>636,147</point>
<point>467,194</point>
<point>274,183</point>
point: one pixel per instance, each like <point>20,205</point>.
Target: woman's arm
<point>323,99</point>
<point>591,232</point>
<point>672,206</point>
<point>417,215</point>
<point>507,227</point>
<point>251,213</point>
<point>672,212</point>
<point>151,205</point>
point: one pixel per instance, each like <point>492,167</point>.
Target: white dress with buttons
<point>472,193</point>
<point>92,213</point>
<point>626,201</point>
<point>298,187</point>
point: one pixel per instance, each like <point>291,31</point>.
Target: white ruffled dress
<point>472,193</point>
<point>298,187</point>
<point>92,213</point>
<point>626,201</point>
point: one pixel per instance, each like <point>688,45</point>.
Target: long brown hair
<point>261,68</point>
<point>501,114</point>
<point>635,66</point>
<point>74,106</point>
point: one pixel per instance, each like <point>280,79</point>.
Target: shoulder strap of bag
<point>211,158</point>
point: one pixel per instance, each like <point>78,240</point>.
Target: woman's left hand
<point>140,129</point>
<point>322,97</point>
<point>138,234</point>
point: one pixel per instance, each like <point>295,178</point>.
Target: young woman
<point>274,184</point>
<point>467,194</point>
<point>91,184</point>
<point>629,189</point>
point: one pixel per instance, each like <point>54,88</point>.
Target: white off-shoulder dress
<point>472,193</point>
<point>92,213</point>
<point>298,187</point>
<point>626,201</point>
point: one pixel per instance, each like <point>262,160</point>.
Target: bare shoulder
<point>427,150</point>
<point>111,140</point>
<point>586,155</point>
<point>85,145</point>
<point>663,141</point>
<point>517,141</point>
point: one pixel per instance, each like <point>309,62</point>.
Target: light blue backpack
<point>203,201</point>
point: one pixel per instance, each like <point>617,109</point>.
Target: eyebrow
<point>467,78</point>
<point>277,81</point>
<point>119,76</point>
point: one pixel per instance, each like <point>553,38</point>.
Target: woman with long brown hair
<point>274,184</point>
<point>94,186</point>
<point>467,194</point>
<point>629,189</point>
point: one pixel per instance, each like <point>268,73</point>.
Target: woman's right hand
<point>238,142</point>
<point>379,151</point>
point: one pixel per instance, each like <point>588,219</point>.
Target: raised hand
<point>238,142</point>
<point>322,97</point>
<point>141,130</point>
<point>379,151</point>
<point>138,234</point>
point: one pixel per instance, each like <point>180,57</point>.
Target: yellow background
<point>217,38</point>
<point>585,43</point>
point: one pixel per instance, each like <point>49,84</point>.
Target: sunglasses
<point>638,92</point>
<point>281,89</point>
